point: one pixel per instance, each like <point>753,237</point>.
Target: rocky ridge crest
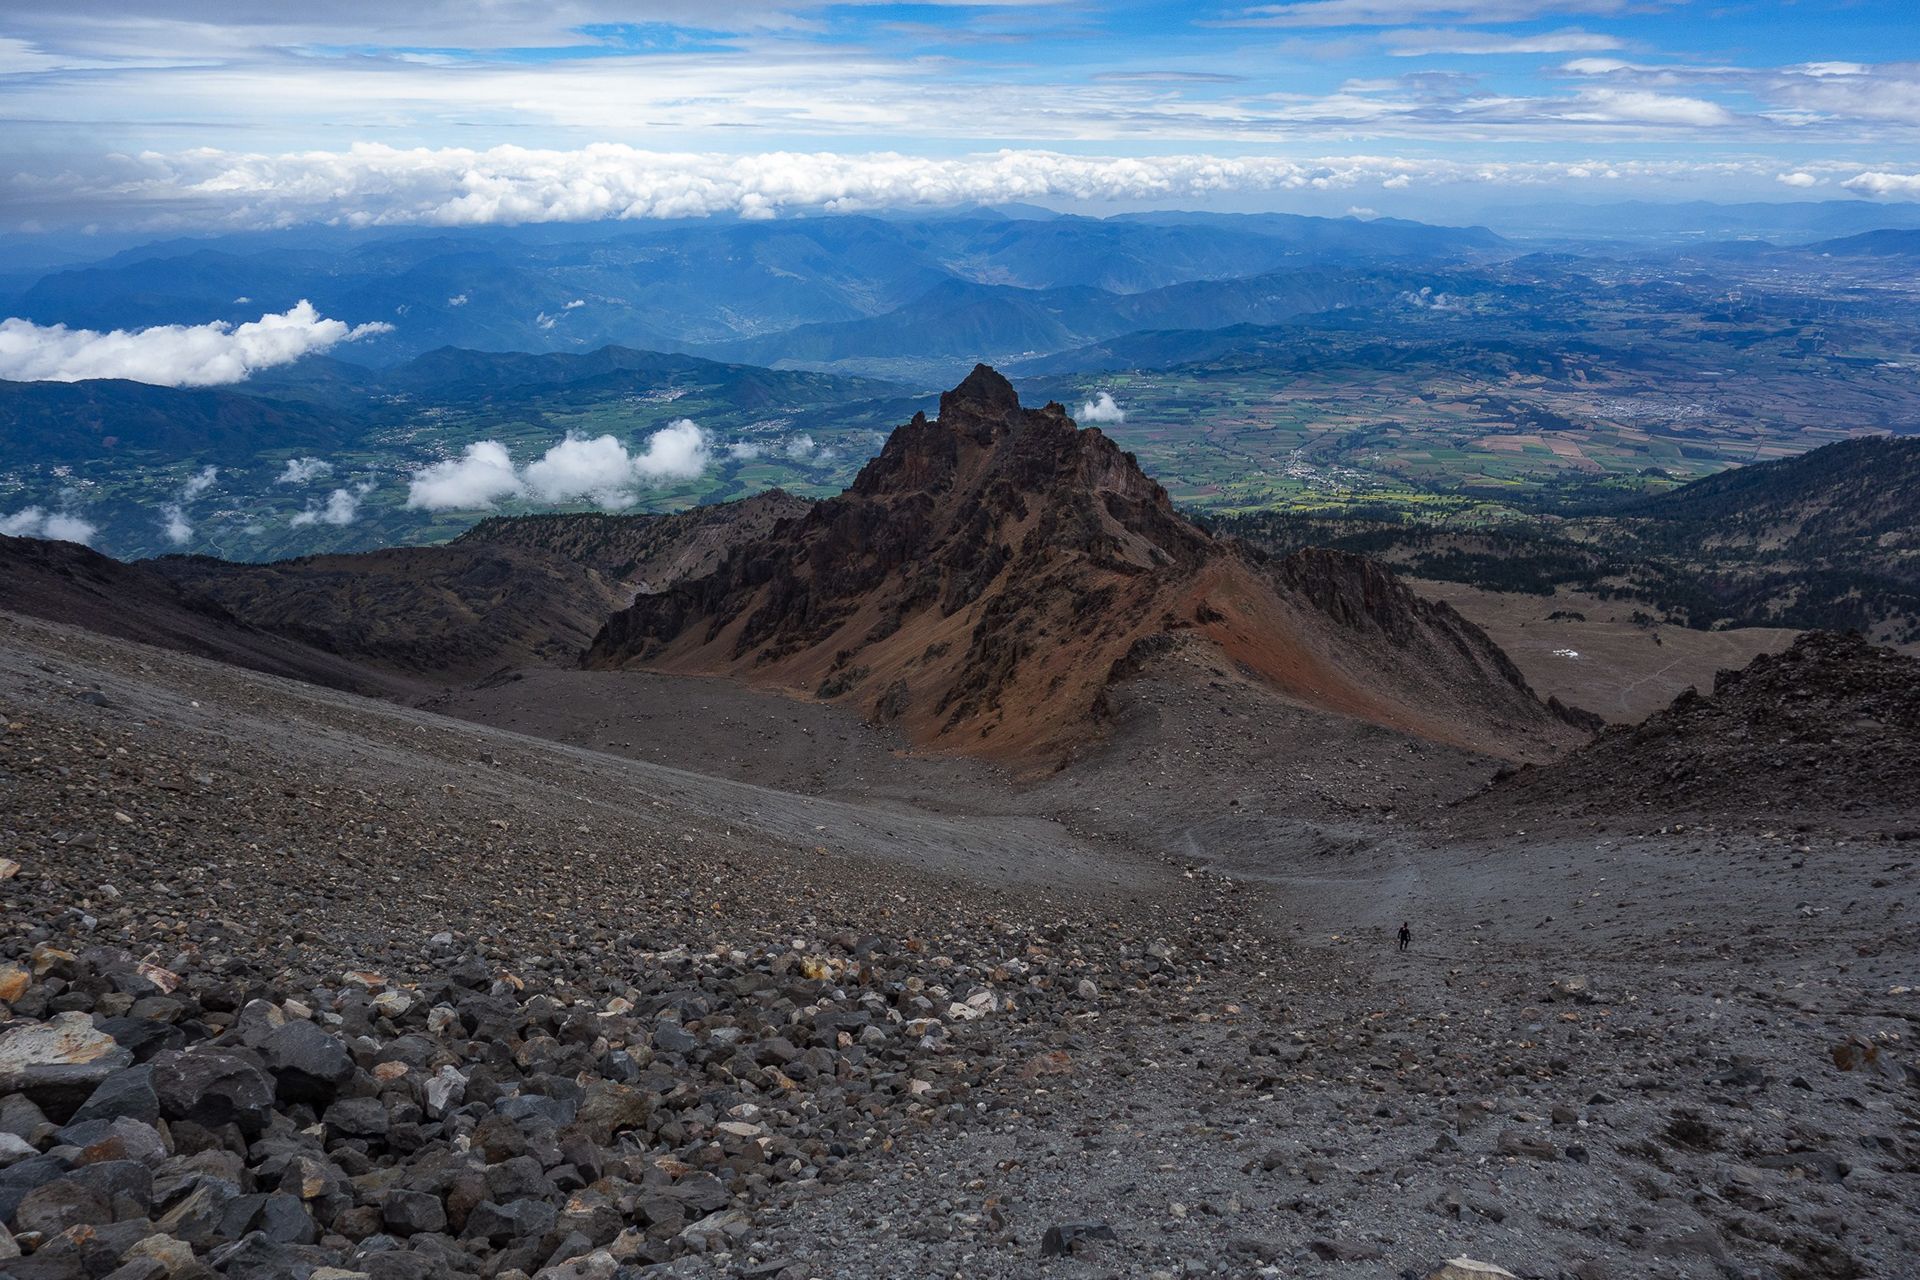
<point>986,572</point>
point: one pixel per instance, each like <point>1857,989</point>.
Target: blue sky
<point>197,113</point>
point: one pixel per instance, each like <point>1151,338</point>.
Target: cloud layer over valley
<point>598,469</point>
<point>373,184</point>
<point>174,355</point>
<point>38,522</point>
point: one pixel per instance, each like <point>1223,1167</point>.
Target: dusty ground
<point>1299,1100</point>
<point>1603,660</point>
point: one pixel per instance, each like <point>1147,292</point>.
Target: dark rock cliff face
<point>947,509</point>
<point>985,573</point>
<point>1364,595</point>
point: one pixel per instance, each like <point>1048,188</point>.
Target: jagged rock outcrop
<point>985,573</point>
<point>1829,729</point>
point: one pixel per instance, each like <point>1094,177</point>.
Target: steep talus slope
<point>1828,728</point>
<point>651,552</point>
<point>66,582</point>
<point>444,612</point>
<point>512,592</point>
<point>991,572</point>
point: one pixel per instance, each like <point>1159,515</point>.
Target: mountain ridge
<point>988,574</point>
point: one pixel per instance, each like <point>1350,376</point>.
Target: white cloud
<point>376,185</point>
<point>457,300</point>
<point>304,471</point>
<point>170,355</point>
<point>1102,409</point>
<point>600,469</point>
<point>1798,178</point>
<point>800,446</point>
<point>173,515</point>
<point>678,451</point>
<point>1393,13</point>
<point>576,303</point>
<point>1876,183</point>
<point>37,522</point>
<point>477,479</point>
<point>342,507</point>
<point>1642,107</point>
<point>1597,66</point>
<point>198,483</point>
<point>745,452</point>
<point>1420,44</point>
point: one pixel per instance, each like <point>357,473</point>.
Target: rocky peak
<point>985,392</point>
<point>983,575</point>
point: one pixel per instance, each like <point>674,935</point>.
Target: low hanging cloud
<point>599,469</point>
<point>478,478</point>
<point>173,515</point>
<point>304,471</point>
<point>679,451</point>
<point>172,355</point>
<point>341,508</point>
<point>56,526</point>
<point>1102,409</point>
<point>1875,183</point>
<point>746,451</point>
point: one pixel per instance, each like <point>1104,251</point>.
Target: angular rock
<point>129,1093</point>
<point>308,1065</point>
<point>1469,1269</point>
<point>212,1088</point>
<point>58,1063</point>
<point>1064,1238</point>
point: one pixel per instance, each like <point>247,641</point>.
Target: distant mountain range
<point>962,320</point>
<point>679,285</point>
<point>1786,221</point>
<point>324,404</point>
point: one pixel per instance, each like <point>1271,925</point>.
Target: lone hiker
<point>1406,936</point>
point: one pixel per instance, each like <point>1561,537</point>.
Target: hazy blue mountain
<point>970,321</point>
<point>67,422</point>
<point>682,285</point>
<point>1788,221</point>
<point>1886,243</point>
<point>1349,237</point>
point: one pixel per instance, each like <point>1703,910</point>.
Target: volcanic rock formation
<point>1828,729</point>
<point>991,573</point>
